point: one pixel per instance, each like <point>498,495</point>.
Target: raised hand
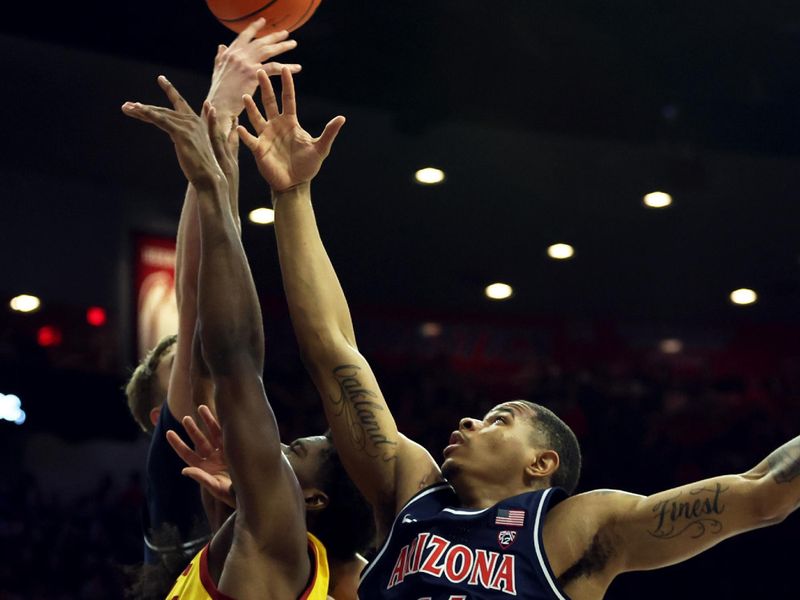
<point>285,153</point>
<point>235,67</point>
<point>206,463</point>
<point>188,131</point>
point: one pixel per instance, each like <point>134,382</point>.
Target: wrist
<point>295,192</point>
<point>211,183</point>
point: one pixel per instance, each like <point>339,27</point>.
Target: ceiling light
<point>743,296</point>
<point>262,216</point>
<point>657,200</point>
<point>560,251</point>
<point>25,303</point>
<point>430,329</point>
<point>499,291</point>
<point>429,176</point>
<point>671,346</point>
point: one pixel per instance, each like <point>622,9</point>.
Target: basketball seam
<point>311,6</point>
<point>250,14</point>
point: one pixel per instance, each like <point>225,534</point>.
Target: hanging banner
<point>154,285</point>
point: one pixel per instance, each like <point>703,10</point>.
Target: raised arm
<point>636,533</point>
<point>271,514</point>
<point>387,467</point>
<point>234,75</point>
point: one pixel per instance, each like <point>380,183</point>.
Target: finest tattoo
<point>784,463</point>
<point>697,516</point>
<point>358,407</point>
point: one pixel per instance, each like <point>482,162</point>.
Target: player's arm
<point>234,74</point>
<point>233,347</point>
<point>387,467</point>
<point>638,533</point>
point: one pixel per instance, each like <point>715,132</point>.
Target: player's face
<point>306,455</point>
<point>496,448</point>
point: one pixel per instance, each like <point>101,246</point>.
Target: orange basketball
<point>280,14</point>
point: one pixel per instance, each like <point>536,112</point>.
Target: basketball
<point>280,14</point>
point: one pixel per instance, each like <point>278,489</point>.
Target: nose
<point>468,424</point>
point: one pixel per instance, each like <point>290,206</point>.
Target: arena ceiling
<point>551,120</point>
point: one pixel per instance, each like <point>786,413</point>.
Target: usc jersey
<point>195,582</point>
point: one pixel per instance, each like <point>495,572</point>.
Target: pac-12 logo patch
<point>506,538</point>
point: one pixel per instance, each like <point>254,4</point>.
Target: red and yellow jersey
<point>195,582</point>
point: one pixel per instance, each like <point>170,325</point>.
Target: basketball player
<point>262,550</point>
<point>172,375</point>
<point>335,511</point>
<point>496,520</point>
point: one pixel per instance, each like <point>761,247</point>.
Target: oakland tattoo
<point>356,404</point>
<point>695,514</point>
<point>784,463</point>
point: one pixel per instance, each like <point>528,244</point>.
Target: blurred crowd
<point>643,426</point>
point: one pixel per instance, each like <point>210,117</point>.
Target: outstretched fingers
<point>287,96</point>
<point>249,32</point>
<point>332,129</point>
<point>267,95</point>
<point>203,447</point>
<point>212,425</point>
<point>219,137</point>
<point>247,138</point>
<point>187,455</point>
<point>253,114</point>
<point>272,38</point>
<point>275,68</point>
<point>267,51</point>
<point>174,96</point>
<point>162,118</point>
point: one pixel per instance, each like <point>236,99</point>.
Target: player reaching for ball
<point>171,380</point>
<point>262,551</point>
<point>503,522</point>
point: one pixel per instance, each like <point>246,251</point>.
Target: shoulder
<point>582,525</point>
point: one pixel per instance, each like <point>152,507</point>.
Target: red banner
<point>154,285</point>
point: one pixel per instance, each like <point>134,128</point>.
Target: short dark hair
<point>141,389</point>
<point>346,525</point>
<point>562,439</point>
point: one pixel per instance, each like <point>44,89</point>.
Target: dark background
<point>551,121</point>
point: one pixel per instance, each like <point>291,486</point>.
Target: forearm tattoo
<point>694,513</point>
<point>357,406</point>
<point>784,463</point>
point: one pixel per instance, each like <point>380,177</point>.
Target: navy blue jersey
<point>173,501</point>
<point>436,551</point>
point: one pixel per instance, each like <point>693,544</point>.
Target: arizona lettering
<point>438,557</point>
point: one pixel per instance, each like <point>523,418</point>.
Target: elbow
<point>323,346</point>
<point>770,506</point>
<point>225,354</point>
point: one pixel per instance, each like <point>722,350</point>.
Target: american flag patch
<point>514,518</point>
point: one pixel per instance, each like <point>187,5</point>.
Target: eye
<point>499,418</point>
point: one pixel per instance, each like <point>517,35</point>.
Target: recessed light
<point>262,216</point>
<point>499,291</point>
<point>429,176</point>
<point>560,251</point>
<point>657,200</point>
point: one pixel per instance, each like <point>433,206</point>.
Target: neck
<point>344,577</point>
<point>480,494</point>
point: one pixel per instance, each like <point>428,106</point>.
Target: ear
<point>154,414</point>
<point>543,464</point>
<point>315,499</point>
